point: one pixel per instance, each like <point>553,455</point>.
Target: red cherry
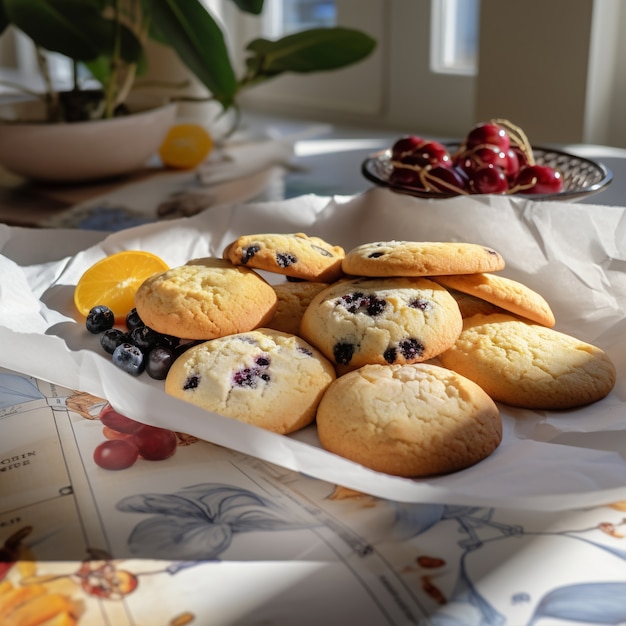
<point>406,177</point>
<point>155,444</point>
<point>446,180</point>
<point>115,454</point>
<point>521,157</point>
<point>489,134</point>
<point>538,179</point>
<point>429,153</point>
<point>489,155</point>
<point>512,166</point>
<point>488,179</point>
<point>406,145</point>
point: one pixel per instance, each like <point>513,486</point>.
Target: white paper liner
<point>575,255</point>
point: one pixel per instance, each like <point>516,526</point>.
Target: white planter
<point>80,151</point>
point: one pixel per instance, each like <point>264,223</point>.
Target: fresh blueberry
<point>145,338</point>
<point>111,338</point>
<point>168,341</point>
<point>129,358</point>
<point>159,361</point>
<point>133,320</point>
<point>99,319</point>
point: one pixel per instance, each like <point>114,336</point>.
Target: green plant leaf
<point>199,42</point>
<point>4,18</point>
<point>75,28</point>
<point>313,50</point>
<point>254,7</point>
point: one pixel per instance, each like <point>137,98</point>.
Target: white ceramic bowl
<point>80,151</point>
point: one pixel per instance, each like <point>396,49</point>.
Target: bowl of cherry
<point>495,157</point>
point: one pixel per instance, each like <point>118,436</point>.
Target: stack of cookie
<point>399,350</point>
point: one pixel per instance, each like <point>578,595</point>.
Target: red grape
<point>155,444</point>
<point>116,421</point>
<point>115,454</point>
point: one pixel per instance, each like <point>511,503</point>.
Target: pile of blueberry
<point>494,158</point>
<point>137,349</point>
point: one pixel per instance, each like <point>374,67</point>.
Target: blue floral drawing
<point>602,603</point>
<point>16,389</point>
<point>200,521</point>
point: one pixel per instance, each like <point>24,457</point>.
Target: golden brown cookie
<point>293,300</point>
<point>503,292</point>
<point>204,299</point>
<point>292,254</point>
<point>529,365</point>
<point>420,258</point>
<point>408,420</point>
<point>471,305</point>
<point>359,321</point>
<point>263,377</point>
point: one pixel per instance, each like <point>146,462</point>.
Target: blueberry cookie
<point>263,377</point>
<point>382,320</point>
<point>293,300</point>
<point>503,292</point>
<point>204,299</point>
<point>295,254</point>
<point>529,365</point>
<point>409,420</point>
<point>420,258</point>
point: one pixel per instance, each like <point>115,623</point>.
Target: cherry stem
<point>529,185</point>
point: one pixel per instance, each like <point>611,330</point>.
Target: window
<point>283,17</point>
<point>454,36</point>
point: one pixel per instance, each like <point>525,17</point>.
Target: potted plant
<point>106,42</point>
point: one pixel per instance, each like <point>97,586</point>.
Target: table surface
<point>327,161</point>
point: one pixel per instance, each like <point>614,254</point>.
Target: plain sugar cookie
<point>204,299</point>
<point>529,365</point>
<point>506,293</point>
<point>420,258</point>
<point>293,300</point>
<point>408,420</point>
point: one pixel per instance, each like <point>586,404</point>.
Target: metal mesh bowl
<point>581,177</point>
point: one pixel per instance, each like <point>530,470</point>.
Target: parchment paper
<point>575,255</point>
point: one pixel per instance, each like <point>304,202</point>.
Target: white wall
<point>556,68</point>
